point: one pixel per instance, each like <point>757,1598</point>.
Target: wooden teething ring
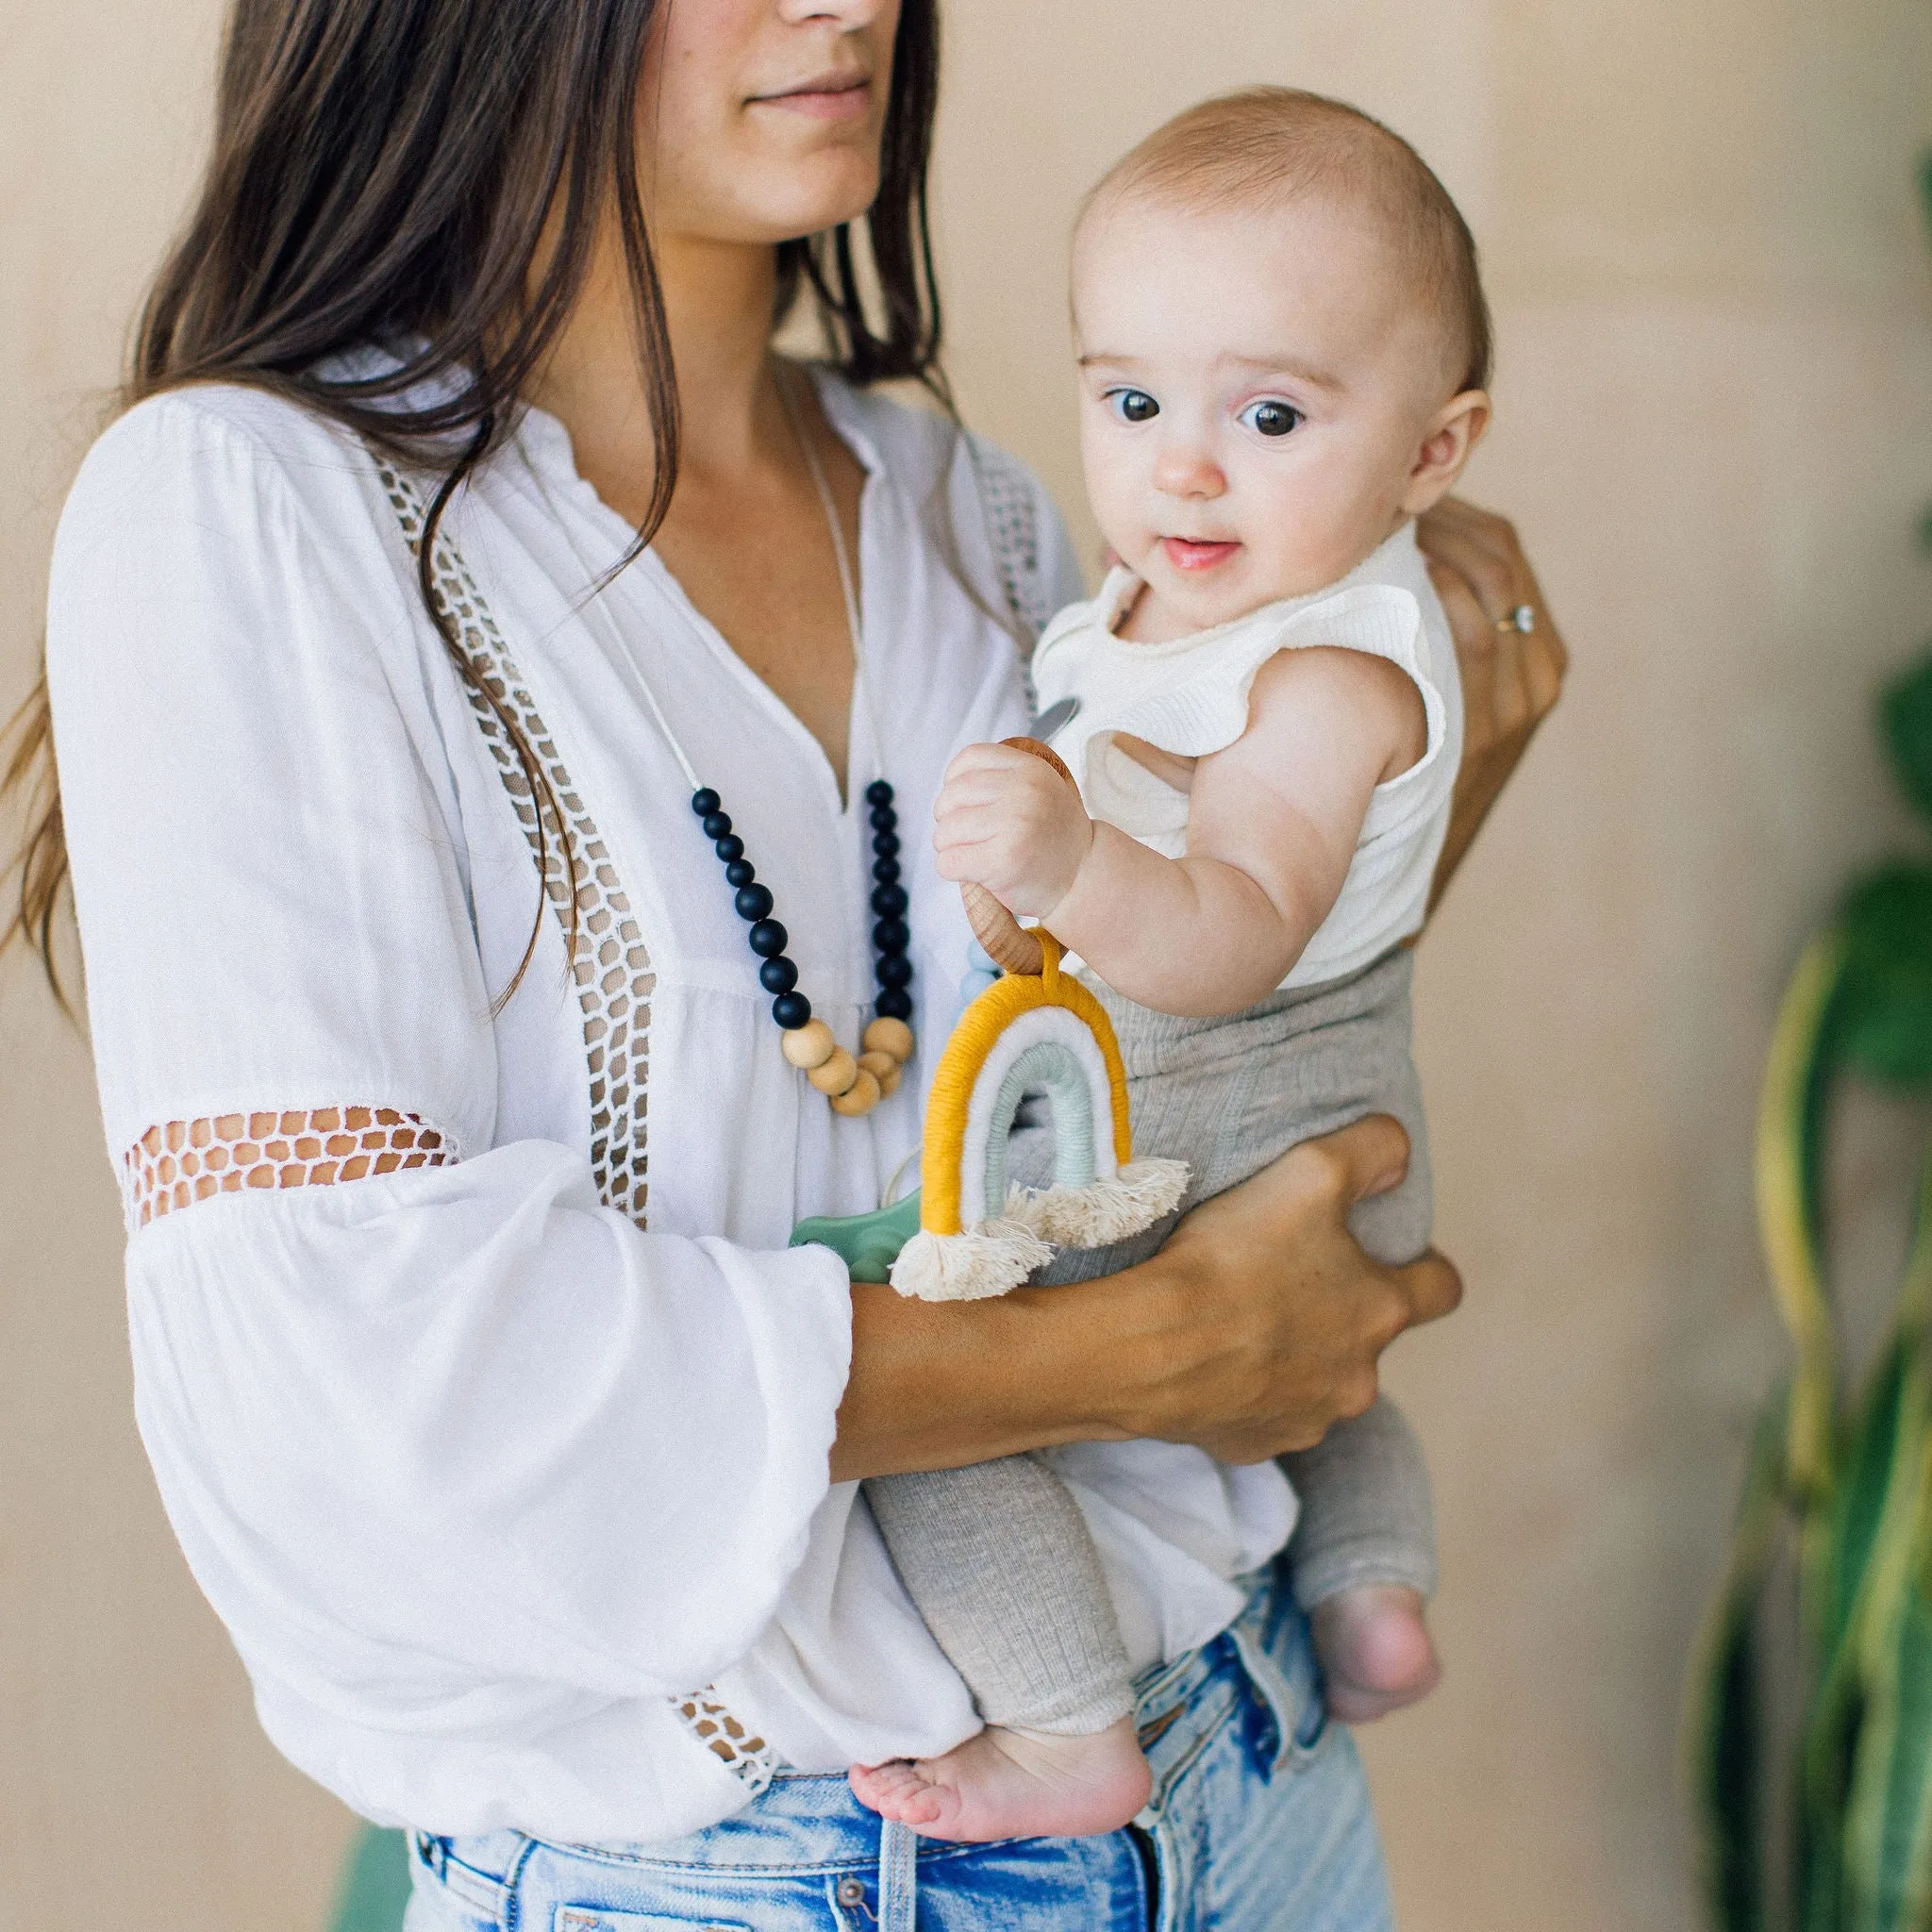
<point>1008,943</point>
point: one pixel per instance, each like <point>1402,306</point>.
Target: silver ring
<point>1522,619</point>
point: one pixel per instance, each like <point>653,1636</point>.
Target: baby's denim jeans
<point>1260,1822</point>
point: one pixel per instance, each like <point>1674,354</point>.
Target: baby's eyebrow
<point>1290,366</point>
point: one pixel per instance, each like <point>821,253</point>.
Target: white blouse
<point>492,1452</point>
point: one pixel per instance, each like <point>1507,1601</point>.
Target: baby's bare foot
<point>1013,1784</point>
<point>1375,1651</point>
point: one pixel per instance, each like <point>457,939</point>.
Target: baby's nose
<point>1184,470</point>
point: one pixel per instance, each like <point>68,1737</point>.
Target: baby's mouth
<point>1187,554</point>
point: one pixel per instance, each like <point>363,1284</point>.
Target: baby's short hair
<point>1273,143</point>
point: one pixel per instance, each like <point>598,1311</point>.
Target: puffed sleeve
<point>461,1456</point>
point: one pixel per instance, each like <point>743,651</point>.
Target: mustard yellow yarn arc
<point>959,1068</point>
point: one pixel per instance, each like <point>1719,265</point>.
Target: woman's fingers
<point>1432,1288</point>
<point>1482,577</point>
<point>1510,677</point>
<point>1495,692</point>
<point>1367,1157</point>
<point>1281,1316</point>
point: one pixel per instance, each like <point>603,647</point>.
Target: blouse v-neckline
<point>545,443</point>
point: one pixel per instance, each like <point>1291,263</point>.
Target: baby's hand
<point>1008,822</point>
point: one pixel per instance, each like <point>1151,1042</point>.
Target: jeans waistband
<point>809,1823</point>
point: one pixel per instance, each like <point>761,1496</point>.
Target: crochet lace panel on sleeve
<point>177,1163</point>
<point>611,966</point>
<point>746,1756</point>
<point>1012,528</point>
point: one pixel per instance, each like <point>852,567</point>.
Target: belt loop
<point>898,1877</point>
<point>1265,1679</point>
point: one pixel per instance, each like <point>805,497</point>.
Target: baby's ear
<point>1447,444</point>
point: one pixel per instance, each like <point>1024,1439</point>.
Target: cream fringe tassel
<point>1104,1210</point>
<point>999,1255</point>
<point>986,1260</point>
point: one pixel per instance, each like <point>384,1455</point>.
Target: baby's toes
<point>894,1790</point>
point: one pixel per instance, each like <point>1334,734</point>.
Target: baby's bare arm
<point>1272,827</point>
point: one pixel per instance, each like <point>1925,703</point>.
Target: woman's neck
<point>718,299</point>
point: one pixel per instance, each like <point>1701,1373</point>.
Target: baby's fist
<point>1008,821</point>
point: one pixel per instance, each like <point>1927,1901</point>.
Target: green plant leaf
<point>1884,1017</point>
<point>1904,724</point>
<point>1724,1735</point>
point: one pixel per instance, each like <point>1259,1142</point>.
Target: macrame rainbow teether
<point>1035,1029</point>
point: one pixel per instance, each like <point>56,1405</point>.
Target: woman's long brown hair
<point>383,173</point>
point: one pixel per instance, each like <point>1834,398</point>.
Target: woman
<point>514,1447</point>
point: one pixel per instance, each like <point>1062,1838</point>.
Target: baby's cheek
<point>1117,487</point>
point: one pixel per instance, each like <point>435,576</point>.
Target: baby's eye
<point>1271,417</point>
<point>1132,405</point>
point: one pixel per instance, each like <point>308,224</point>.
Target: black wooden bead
<point>778,975</point>
<point>730,848</point>
<point>791,1010</point>
<point>753,902</point>
<point>884,819</point>
<point>892,936</point>
<point>886,845</point>
<point>741,872</point>
<point>896,970</point>
<point>886,870</point>
<point>705,802</point>
<point>878,792</point>
<point>768,938</point>
<point>890,902</point>
<point>893,1003</point>
<point>717,823</point>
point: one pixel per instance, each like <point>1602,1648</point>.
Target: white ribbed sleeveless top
<point>1189,696</point>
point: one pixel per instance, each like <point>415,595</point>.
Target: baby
<point>1283,352</point>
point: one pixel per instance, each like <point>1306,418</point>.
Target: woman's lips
<point>831,97</point>
<point>1184,553</point>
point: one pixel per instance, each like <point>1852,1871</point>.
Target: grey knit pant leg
<point>998,1559</point>
<point>1365,1516</point>
<point>1230,1096</point>
<point>997,1556</point>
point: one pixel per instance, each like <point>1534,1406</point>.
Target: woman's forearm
<point>938,1385</point>
<point>1256,1329</point>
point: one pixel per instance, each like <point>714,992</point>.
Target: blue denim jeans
<point>1259,1822</point>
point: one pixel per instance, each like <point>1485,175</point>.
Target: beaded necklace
<point>853,1083</point>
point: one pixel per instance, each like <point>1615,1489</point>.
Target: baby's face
<point>1257,390</point>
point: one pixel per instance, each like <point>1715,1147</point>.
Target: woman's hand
<point>1510,678</point>
<point>1256,1327</point>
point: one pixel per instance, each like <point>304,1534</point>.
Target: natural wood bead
<point>810,1045</point>
<point>878,1065</point>
<point>860,1098</point>
<point>889,1084</point>
<point>890,1036</point>
<point>836,1075</point>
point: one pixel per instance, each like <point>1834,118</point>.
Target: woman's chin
<point>812,186</point>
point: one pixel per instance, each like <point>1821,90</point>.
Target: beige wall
<point>1716,396</point>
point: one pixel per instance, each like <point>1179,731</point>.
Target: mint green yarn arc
<point>375,1888</point>
<point>867,1243</point>
<point>1046,1066</point>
